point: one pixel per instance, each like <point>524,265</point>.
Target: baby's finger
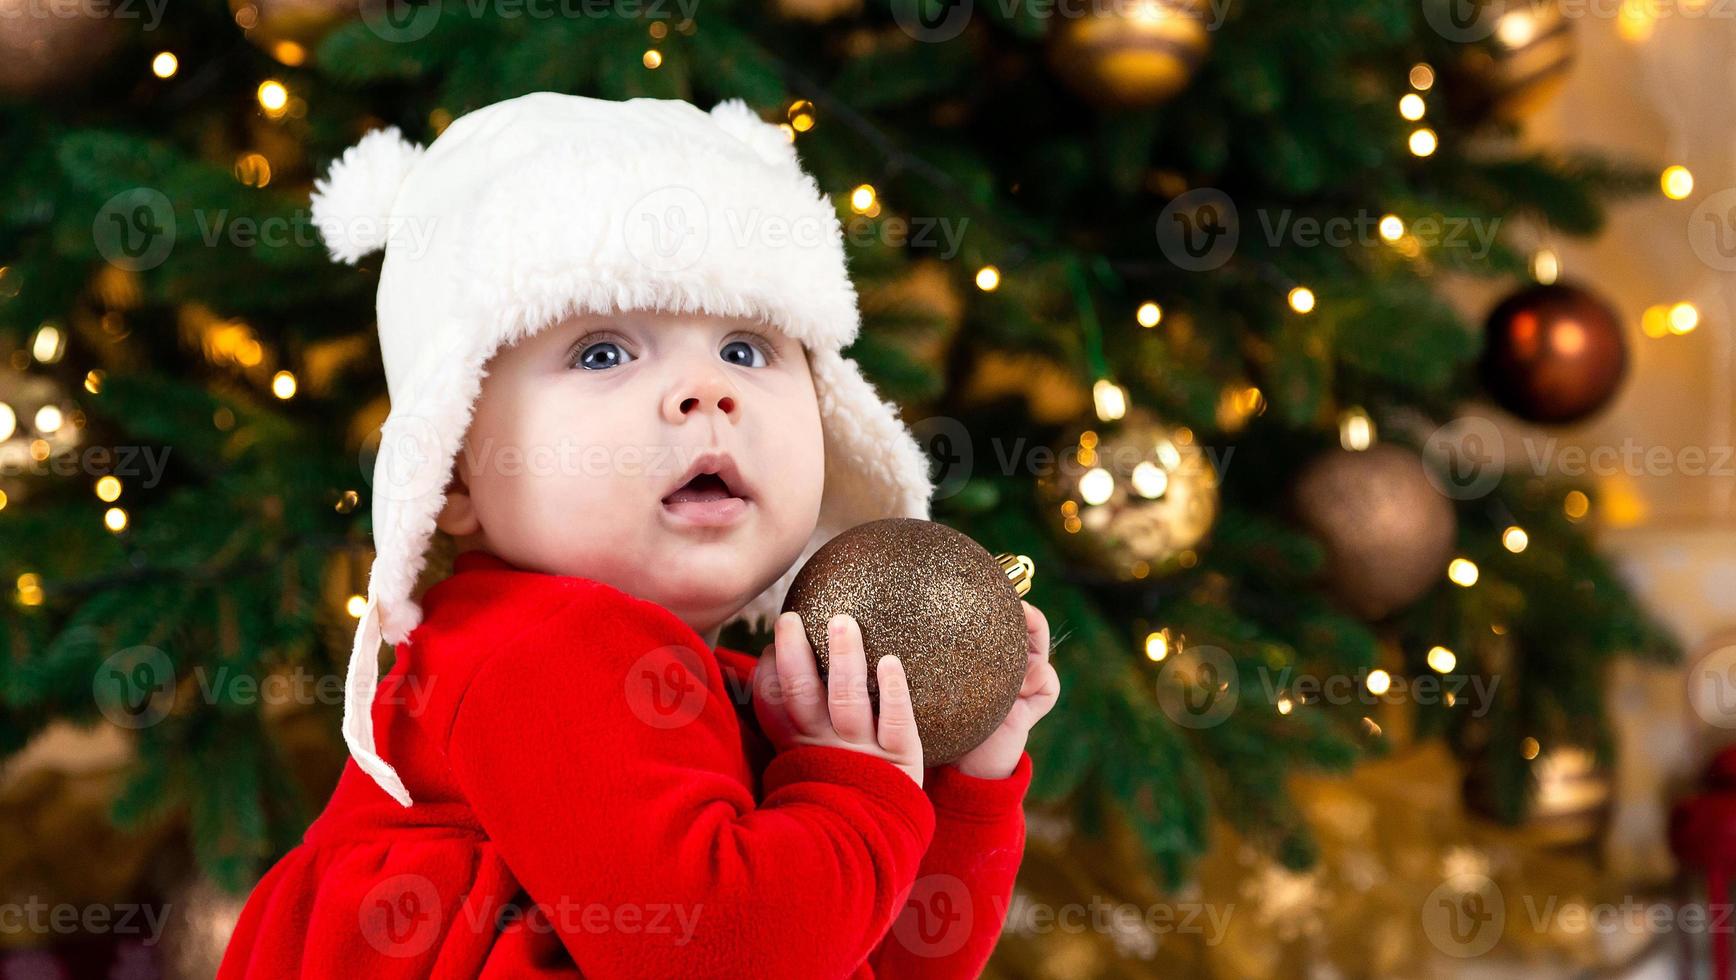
<point>847,681</point>
<point>898,733</point>
<point>798,679</point>
<point>1036,631</point>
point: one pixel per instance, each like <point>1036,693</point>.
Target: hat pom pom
<point>352,206</point>
<point>769,142</point>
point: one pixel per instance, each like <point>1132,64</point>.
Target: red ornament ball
<point>1554,354</point>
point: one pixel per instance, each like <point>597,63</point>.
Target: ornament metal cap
<point>1020,569</point>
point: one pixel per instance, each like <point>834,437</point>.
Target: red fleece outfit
<point>592,799</point>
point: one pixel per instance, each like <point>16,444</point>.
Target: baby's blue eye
<point>603,355</point>
<point>743,353</point>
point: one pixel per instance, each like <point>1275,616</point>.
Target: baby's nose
<point>704,394</point>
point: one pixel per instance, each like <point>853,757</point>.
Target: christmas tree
<point>1162,287</point>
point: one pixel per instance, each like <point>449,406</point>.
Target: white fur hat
<point>546,205</point>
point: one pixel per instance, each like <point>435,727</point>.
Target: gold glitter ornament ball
<point>1388,532</point>
<point>1136,497</point>
<point>941,604</point>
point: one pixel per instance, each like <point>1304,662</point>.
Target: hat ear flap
<point>352,205</point>
<point>768,141</point>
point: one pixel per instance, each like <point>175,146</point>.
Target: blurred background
<point>1358,373</point>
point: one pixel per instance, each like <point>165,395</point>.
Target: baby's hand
<point>795,708</point>
<point>996,758</point>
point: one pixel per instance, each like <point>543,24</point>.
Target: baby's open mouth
<point>705,486</point>
<point>707,499</point>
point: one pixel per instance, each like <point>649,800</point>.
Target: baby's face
<point>578,458</point>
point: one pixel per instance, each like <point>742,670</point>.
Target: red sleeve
<point>959,903</point>
<point>601,753</point>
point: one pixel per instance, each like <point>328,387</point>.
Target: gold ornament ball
<point>946,608</point>
<point>44,46</point>
<point>1133,54</point>
<point>1521,65</point>
<point>1133,496</point>
<point>1388,532</point>
<point>290,30</point>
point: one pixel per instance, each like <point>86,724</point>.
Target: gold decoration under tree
<point>44,47</point>
<point>1567,807</point>
<point>1521,65</point>
<point>945,607</point>
<point>1131,55</point>
<point>1135,496</point>
<point>290,30</point>
<point>1387,530</point>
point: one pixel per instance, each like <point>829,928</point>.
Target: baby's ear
<point>457,515</point>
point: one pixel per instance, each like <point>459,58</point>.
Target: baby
<point>633,419</point>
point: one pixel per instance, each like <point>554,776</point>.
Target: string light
<point>49,419</point>
<point>1677,181</point>
<point>1355,430</point>
<point>1149,314</point>
<point>273,97</point>
<point>1545,266</point>
<point>115,519</point>
<point>1576,505</point>
<point>1515,539</point>
<point>165,64</point>
<point>1157,645</point>
<point>1285,705</point>
<point>1412,106</point>
<point>1422,76</point>
<point>1302,299</point>
<point>1392,228</point>
<point>1684,317</point>
<point>8,421</point>
<point>29,589</point>
<point>48,344</point>
<point>1150,480</point>
<point>1110,399</point>
<point>1423,142</point>
<point>355,605</point>
<point>3,500</point>
<point>1096,485</point>
<point>108,489</point>
<point>1529,747</point>
<point>347,502</point>
<point>252,169</point>
<point>801,115</point>
<point>862,199</point>
<point>1379,682</point>
<point>1442,660</point>
<point>1655,321</point>
<point>283,385</point>
<point>1463,571</point>
<point>93,380</point>
<point>653,59</point>
<point>988,278</point>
